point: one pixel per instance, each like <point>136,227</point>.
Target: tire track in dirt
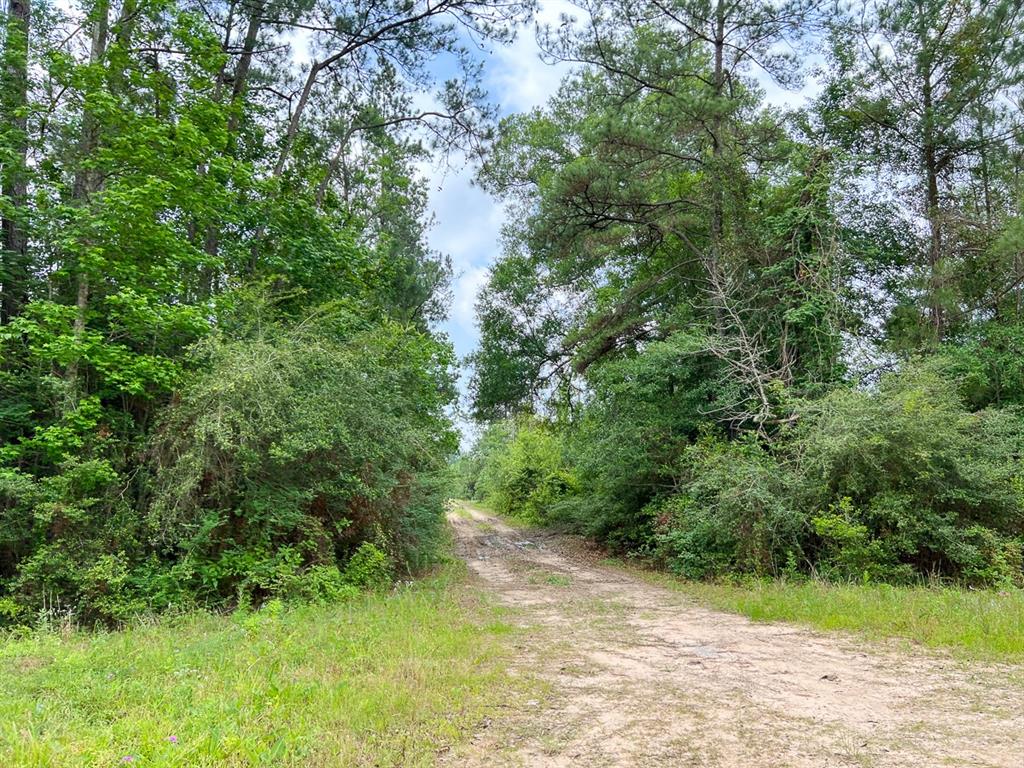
<point>639,675</point>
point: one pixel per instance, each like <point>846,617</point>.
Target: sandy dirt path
<point>633,674</point>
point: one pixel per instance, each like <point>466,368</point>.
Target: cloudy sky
<point>468,221</point>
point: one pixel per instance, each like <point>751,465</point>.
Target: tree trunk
<point>211,241</point>
<point>86,182</point>
<point>717,176</point>
<point>986,184</point>
<point>932,210</point>
<point>296,118</point>
<point>241,77</point>
<point>14,263</point>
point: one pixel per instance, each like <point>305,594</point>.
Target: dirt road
<point>638,675</point>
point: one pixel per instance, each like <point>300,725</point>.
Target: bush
<point>733,514</point>
<point>913,481</point>
<point>368,568</point>
<point>68,542</point>
<point>849,552</point>
<point>897,483</point>
<point>644,409</point>
<point>299,446</point>
<point>526,475</point>
<point>289,449</point>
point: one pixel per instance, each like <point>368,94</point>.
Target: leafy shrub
<point>849,552</point>
<point>290,447</point>
<point>987,365</point>
<point>368,568</point>
<point>924,485</point>
<point>526,475</point>
<point>643,411</point>
<point>297,447</point>
<point>67,542</point>
<point>897,483</point>
<point>732,515</point>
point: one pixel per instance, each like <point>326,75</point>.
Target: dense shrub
<point>309,441</point>
<point>302,461</point>
<point>525,474</point>
<point>67,542</point>
<point>642,412</point>
<point>733,514</point>
<point>911,475</point>
<point>895,483</point>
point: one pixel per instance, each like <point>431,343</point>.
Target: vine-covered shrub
<point>896,483</point>
<point>302,461</point>
<point>734,512</point>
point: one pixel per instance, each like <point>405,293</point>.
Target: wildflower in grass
<point>128,759</point>
<point>172,739</point>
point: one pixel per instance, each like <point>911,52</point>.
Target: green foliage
<point>767,341</point>
<point>900,483</point>
<point>849,552</point>
<point>368,568</point>
<point>734,513</point>
<point>644,409</point>
<point>67,542</point>
<point>896,484</point>
<point>525,475</point>
<point>293,445</point>
<point>925,482</point>
<point>987,365</point>
<point>303,441</point>
<point>218,374</point>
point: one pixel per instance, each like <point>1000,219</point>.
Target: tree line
<point>736,337</point>
<point>219,376</point>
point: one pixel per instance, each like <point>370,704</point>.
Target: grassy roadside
<point>383,680</point>
<point>975,624</point>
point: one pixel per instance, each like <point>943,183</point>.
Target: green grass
<point>550,578</point>
<point>985,624</point>
<point>384,680</point>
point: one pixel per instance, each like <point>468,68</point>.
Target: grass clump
<point>550,578</point>
<point>379,680</point>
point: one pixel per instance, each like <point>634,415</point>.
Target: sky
<point>467,220</point>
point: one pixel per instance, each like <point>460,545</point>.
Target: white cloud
<point>467,287</point>
<point>518,79</point>
<point>468,220</point>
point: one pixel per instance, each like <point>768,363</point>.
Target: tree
<point>169,186</point>
<point>659,197</point>
<point>14,65</point>
<point>927,87</point>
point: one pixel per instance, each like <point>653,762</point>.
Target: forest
<point>724,336</point>
<point>220,379</point>
<point>734,338</point>
<point>728,472</point>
